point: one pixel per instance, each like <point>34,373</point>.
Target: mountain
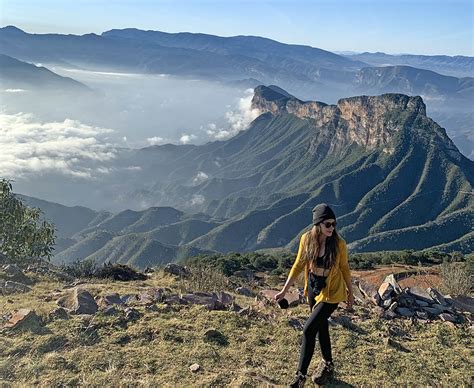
<point>246,61</point>
<point>413,81</point>
<point>377,160</point>
<point>457,66</point>
<point>16,74</point>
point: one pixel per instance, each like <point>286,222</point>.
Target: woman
<point>322,254</point>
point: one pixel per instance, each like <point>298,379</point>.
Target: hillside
<point>152,337</point>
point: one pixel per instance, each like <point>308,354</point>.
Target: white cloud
<point>185,139</point>
<point>238,119</point>
<point>200,177</point>
<point>197,199</point>
<point>155,140</point>
<point>15,90</point>
<point>69,147</point>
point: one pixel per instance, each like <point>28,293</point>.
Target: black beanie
<point>322,212</point>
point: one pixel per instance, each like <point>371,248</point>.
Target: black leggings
<point>317,323</point>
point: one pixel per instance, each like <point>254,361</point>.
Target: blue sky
<point>393,26</point>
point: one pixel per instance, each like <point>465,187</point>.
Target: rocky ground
<point>57,330</point>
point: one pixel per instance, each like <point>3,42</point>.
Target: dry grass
<point>158,348</point>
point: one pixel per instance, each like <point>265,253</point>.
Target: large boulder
<point>13,273</point>
<point>176,269</point>
<point>80,301</point>
<point>24,318</point>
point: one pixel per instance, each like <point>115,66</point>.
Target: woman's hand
<point>280,295</point>
<point>350,300</point>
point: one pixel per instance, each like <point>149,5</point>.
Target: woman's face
<point>328,227</point>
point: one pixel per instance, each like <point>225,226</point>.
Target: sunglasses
<point>327,225</point>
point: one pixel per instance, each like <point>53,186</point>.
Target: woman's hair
<point>311,246</point>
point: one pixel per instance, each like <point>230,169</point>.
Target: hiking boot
<point>298,381</point>
<point>324,372</point>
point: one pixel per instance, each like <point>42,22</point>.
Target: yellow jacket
<point>338,277</point>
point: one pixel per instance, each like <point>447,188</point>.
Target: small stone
<point>422,314</point>
<point>421,303</point>
<point>393,282</point>
<point>23,318</point>
<point>58,313</point>
<point>295,323</point>
<point>176,269</point>
<point>194,367</point>
<point>110,310</point>
<point>83,302</point>
<point>436,295</point>
<point>385,290</point>
<point>244,291</point>
<point>131,314</point>
<point>421,294</point>
<point>387,303</point>
<point>389,314</point>
<point>447,317</point>
<point>405,312</point>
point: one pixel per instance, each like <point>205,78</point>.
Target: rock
<point>83,302</point>
<point>110,310</point>
<point>79,301</point>
<point>156,293</point>
<point>119,272</point>
<point>295,323</point>
<point>110,299</point>
<point>405,312</point>
<point>405,299</point>
<point>23,318</point>
<point>202,298</point>
<point>447,317</point>
<point>174,299</point>
<point>436,295</point>
<point>176,269</point>
<point>58,313</point>
<point>432,311</point>
<point>194,367</point>
<point>129,298</point>
<point>15,274</point>
<point>421,294</point>
<point>421,314</point>
<point>387,303</point>
<point>389,314</point>
<point>462,303</point>
<point>224,298</point>
<point>393,282</point>
<point>10,287</point>
<point>385,290</point>
<point>131,314</point>
<point>235,307</point>
<point>344,321</point>
<point>244,291</point>
<point>215,336</point>
<point>149,270</point>
<point>421,303</point>
<point>389,342</point>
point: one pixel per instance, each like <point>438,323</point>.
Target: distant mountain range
<point>17,74</point>
<point>393,176</point>
<point>307,72</point>
<point>457,66</point>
